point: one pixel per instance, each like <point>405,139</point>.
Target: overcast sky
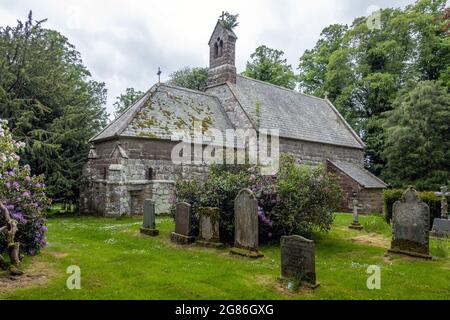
<point>123,42</point>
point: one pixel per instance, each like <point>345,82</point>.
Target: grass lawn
<point>118,263</point>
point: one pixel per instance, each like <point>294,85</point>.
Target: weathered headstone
<point>149,226</point>
<point>355,223</point>
<point>209,227</point>
<point>441,227</point>
<point>183,227</point>
<point>246,225</point>
<point>298,261</point>
<point>410,226</point>
<point>444,203</point>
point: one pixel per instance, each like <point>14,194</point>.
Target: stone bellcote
<point>222,56</point>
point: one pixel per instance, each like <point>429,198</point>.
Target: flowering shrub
<point>298,200</point>
<point>306,199</point>
<point>219,190</point>
<point>23,195</point>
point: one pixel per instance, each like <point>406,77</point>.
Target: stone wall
<point>222,57</point>
<point>313,153</point>
<point>371,200</point>
<point>118,182</point>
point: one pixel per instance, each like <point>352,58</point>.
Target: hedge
<point>392,195</point>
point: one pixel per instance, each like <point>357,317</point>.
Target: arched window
<point>220,48</point>
<point>216,50</point>
<point>150,174</point>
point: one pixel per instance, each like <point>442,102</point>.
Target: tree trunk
<point>13,247</point>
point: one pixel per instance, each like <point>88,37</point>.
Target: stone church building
<point>131,158</point>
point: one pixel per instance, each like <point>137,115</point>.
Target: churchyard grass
<point>118,263</point>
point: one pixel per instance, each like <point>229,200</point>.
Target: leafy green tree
<point>126,100</point>
<point>417,137</point>
<point>362,69</point>
<point>194,79</point>
<point>50,102</point>
<point>314,62</point>
<point>269,65</point>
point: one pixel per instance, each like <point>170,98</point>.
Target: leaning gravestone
<point>441,226</point>
<point>298,260</point>
<point>246,227</point>
<point>209,227</point>
<point>149,226</point>
<point>410,226</point>
<point>183,228</point>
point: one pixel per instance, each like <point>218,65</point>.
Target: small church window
<point>216,50</point>
<point>150,174</point>
<point>220,48</point>
<point>105,173</point>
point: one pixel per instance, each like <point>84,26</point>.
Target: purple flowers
<point>24,196</point>
<point>18,216</point>
<point>263,218</point>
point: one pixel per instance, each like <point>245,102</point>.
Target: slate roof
<point>360,175</point>
<point>165,109</point>
<point>298,116</point>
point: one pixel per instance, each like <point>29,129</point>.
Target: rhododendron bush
<point>298,200</point>
<point>23,195</point>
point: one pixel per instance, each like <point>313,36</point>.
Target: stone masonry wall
<point>371,200</point>
<point>117,184</point>
<point>313,153</point>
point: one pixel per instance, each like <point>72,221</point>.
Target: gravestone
<point>298,262</point>
<point>209,227</point>
<point>149,226</point>
<point>183,227</point>
<point>444,203</point>
<point>410,226</point>
<point>246,226</point>
<point>441,226</point>
<point>355,223</point>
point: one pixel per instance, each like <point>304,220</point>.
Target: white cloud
<point>123,42</point>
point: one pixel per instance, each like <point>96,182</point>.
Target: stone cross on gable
<point>222,16</point>
<point>444,204</point>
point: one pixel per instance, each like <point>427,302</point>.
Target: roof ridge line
<point>280,87</point>
<point>186,89</point>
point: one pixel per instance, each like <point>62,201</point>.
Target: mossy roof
<point>165,109</point>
